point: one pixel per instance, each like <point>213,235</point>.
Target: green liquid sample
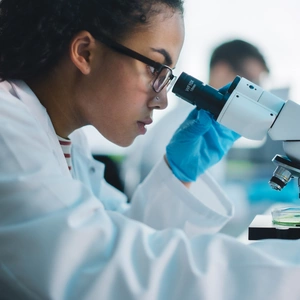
<point>288,216</point>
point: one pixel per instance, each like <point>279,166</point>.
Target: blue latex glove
<point>199,143</point>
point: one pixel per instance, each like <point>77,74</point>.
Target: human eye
<point>153,71</point>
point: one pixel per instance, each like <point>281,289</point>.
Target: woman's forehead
<point>164,35</point>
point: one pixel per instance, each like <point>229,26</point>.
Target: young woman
<point>64,232</point>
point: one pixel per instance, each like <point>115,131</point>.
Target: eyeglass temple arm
<point>124,50</point>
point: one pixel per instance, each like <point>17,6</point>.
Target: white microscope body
<point>253,113</point>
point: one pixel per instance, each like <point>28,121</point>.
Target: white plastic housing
<point>250,111</point>
<point>292,150</point>
<point>287,123</point>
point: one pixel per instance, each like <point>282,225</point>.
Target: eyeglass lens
<point>164,78</point>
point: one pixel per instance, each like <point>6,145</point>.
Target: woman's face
<point>118,99</point>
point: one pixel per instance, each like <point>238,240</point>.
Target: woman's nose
<point>160,101</point>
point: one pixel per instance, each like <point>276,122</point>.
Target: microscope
<point>253,113</point>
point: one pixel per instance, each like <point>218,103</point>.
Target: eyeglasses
<point>163,74</point>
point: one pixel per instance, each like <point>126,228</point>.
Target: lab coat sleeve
<point>162,201</point>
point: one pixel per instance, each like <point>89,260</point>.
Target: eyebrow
<point>168,60</point>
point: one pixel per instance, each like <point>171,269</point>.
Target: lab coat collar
<point>39,112</point>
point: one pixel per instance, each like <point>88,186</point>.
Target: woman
<point>64,232</point>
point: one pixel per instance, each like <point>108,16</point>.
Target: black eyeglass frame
<point>144,59</point>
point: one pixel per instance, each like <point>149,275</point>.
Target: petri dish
<point>287,216</point>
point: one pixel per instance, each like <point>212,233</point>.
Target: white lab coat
<point>76,238</point>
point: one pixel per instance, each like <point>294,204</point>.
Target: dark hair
<point>35,34</point>
<point>235,52</point>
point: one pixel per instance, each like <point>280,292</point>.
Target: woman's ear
<point>82,48</point>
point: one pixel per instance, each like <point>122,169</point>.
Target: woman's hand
<point>199,143</point>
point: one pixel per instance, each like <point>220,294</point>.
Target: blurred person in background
<point>236,57</point>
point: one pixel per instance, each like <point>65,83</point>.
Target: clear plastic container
<point>287,216</point>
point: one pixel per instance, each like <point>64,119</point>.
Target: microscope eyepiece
<point>197,93</point>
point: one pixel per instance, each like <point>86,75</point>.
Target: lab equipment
<point>253,113</point>
<point>288,216</point>
<point>264,227</point>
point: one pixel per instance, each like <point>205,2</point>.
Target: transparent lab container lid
<point>287,216</point>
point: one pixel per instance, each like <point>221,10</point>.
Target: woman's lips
<point>142,124</point>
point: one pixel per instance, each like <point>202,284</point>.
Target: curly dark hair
<point>34,34</point>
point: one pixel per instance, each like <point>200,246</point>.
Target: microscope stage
<point>262,227</point>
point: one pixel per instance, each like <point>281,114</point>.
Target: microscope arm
<point>285,128</point>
